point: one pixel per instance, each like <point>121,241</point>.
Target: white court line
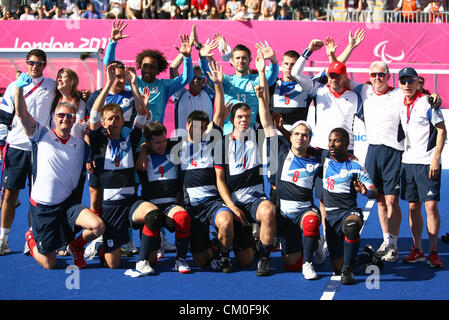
<point>334,282</point>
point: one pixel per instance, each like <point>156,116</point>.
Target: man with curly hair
<point>152,63</point>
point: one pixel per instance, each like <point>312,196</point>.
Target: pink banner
<point>422,46</point>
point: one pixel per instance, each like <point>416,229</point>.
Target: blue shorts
<point>17,170</point>
<point>289,230</point>
<point>416,185</point>
<point>334,230</point>
<point>93,180</point>
<point>165,209</point>
<point>115,217</point>
<point>250,209</point>
<point>384,168</point>
<point>201,217</point>
<point>48,221</point>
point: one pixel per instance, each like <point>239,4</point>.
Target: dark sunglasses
<point>408,81</point>
<point>37,63</point>
<point>199,77</point>
<point>69,116</point>
<point>377,74</point>
<point>334,76</point>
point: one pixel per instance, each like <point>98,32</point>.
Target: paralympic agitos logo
<point>379,51</point>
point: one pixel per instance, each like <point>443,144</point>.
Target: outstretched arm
<point>95,113</point>
<point>263,96</point>
<point>354,40</point>
<point>116,35</point>
<point>216,76</point>
<point>27,120</point>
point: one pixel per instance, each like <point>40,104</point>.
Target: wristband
<point>307,53</point>
<point>95,116</point>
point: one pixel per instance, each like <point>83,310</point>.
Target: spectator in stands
<point>116,9</point>
<point>243,14</point>
<point>213,13</point>
<point>289,5</point>
<point>318,15</point>
<point>409,8</point>
<point>221,8</point>
<point>27,15</point>
<point>8,15</point>
<point>101,6</point>
<point>164,9</point>
<point>82,5</point>
<point>40,15</point>
<point>59,15</point>
<point>194,14</point>
<point>91,12</point>
<point>254,7</point>
<point>268,9</point>
<point>49,6</point>
<point>228,14</point>
<point>177,13</point>
<point>434,8</point>
<point>149,9</point>
<point>283,15</point>
<point>133,9</point>
<point>352,9</point>
<point>202,5</point>
<point>234,6</point>
<point>184,6</point>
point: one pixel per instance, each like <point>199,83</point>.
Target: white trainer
<point>382,249</point>
<point>143,266</point>
<point>391,254</point>
<point>320,253</point>
<point>308,271</point>
<point>160,253</point>
<point>92,248</point>
<point>4,247</point>
<point>182,266</point>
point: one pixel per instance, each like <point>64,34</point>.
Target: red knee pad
<point>149,233</point>
<point>311,226</point>
<point>182,224</point>
<point>295,267</point>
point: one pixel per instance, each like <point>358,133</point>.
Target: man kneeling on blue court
<point>52,204</point>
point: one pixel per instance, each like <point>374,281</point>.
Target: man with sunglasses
<point>385,146</point>
<point>425,135</point>
<point>15,147</point>
<point>53,205</point>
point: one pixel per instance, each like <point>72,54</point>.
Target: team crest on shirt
<point>249,86</point>
<point>126,102</point>
<point>310,167</point>
<point>344,173</point>
<point>154,90</point>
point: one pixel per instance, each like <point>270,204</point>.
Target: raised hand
<point>260,61</point>
<point>315,44</point>
<point>355,39</point>
<point>186,45</point>
<point>117,30</point>
<point>146,94</point>
<point>110,73</point>
<point>330,46</point>
<point>208,47</point>
<point>131,75</point>
<point>267,51</point>
<point>23,80</point>
<point>216,73</point>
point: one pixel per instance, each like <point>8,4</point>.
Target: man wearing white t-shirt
<point>421,167</point>
<point>385,138</point>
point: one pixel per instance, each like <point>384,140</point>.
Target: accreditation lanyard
<point>34,89</point>
<point>411,105</point>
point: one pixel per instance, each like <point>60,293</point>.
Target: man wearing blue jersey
<point>342,179</point>
<point>239,87</point>
<point>240,181</point>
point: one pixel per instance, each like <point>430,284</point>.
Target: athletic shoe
<point>391,254</point>
<point>320,254</point>
<point>29,236</point>
<point>92,248</point>
<point>167,246</point>
<point>144,267</point>
<point>373,258</point>
<point>222,264</point>
<point>347,278</point>
<point>263,267</point>
<point>382,249</point>
<point>78,256</point>
<point>182,266</point>
<point>415,256</point>
<point>433,260</point>
<point>26,249</point>
<point>308,271</point>
<point>4,247</point>
<point>129,249</point>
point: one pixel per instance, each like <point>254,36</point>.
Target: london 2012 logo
<point>379,51</point>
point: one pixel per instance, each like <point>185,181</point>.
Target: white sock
<point>385,235</point>
<point>4,233</point>
<point>392,240</point>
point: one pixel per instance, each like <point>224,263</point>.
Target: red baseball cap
<point>337,67</point>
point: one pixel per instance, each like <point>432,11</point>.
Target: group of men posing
<point>212,174</point>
